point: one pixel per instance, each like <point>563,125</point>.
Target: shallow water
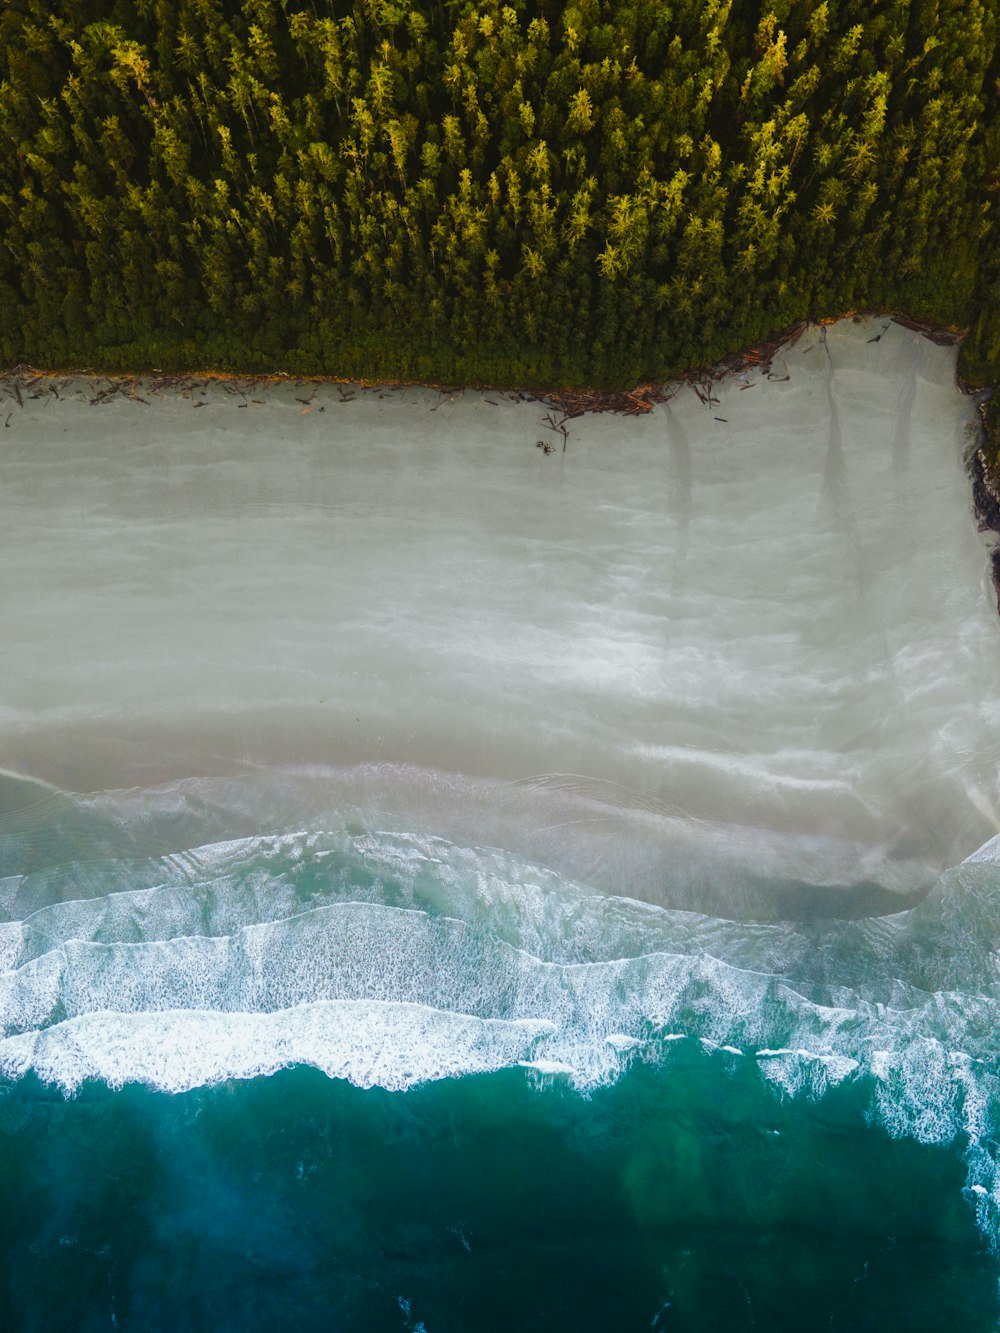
<point>447,885</point>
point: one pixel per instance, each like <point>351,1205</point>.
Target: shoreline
<point>572,402</point>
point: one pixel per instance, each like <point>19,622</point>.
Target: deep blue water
<point>683,1197</point>
<point>367,1078</point>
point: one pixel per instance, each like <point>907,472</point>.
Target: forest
<point>536,193</point>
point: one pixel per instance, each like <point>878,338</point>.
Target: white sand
<point>777,628</point>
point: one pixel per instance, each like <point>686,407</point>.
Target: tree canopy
<point>596,192</point>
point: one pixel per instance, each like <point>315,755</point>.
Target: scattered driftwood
<point>985,493</point>
<point>558,427</point>
<point>934,332</point>
<point>24,382</point>
<point>761,356</point>
<point>986,504</point>
<point>580,402</point>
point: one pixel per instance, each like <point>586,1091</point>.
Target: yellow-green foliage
<point>525,192</point>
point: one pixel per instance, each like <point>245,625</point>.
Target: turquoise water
<point>363,1077</point>
<point>683,1197</point>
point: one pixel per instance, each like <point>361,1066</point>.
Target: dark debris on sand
<point>24,382</point>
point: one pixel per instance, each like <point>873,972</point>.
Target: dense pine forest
<point>537,192</point>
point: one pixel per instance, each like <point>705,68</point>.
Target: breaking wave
<point>390,958</point>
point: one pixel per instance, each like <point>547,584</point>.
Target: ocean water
<point>446,885</point>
